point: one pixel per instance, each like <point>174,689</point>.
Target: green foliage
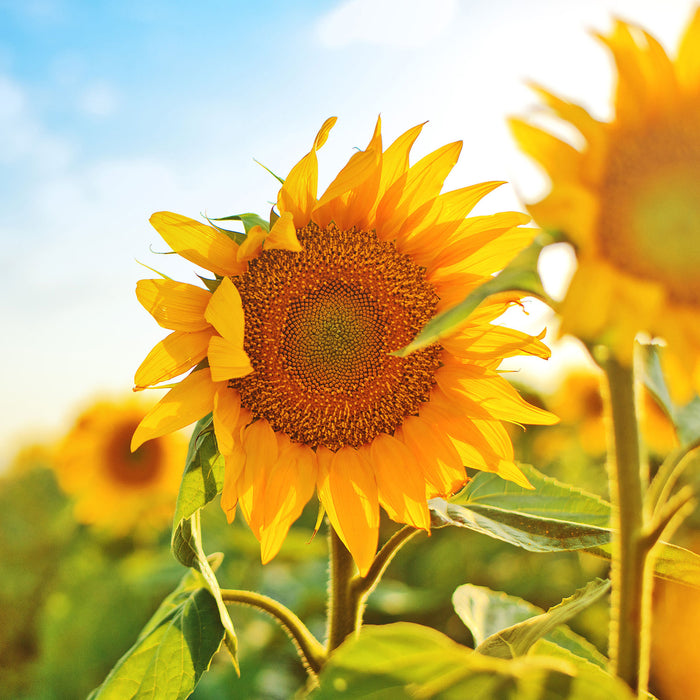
<point>404,660</point>
<point>686,418</point>
<point>203,478</point>
<point>173,650</point>
<point>517,639</point>
<point>492,616</point>
<point>553,517</point>
<point>520,275</point>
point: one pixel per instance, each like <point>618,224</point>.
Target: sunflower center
<point>333,337</point>
<point>132,468</point>
<point>653,187</point>
<point>320,327</point>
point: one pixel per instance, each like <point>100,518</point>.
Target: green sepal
<point>264,167</point>
<point>173,650</point>
<point>248,220</point>
<point>520,275</point>
<point>488,613</point>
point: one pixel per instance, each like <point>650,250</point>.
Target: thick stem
<point>310,649</point>
<point>343,608</point>
<point>631,579</point>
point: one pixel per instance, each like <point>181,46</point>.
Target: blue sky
<point>110,111</point>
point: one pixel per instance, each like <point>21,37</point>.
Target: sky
<point>111,110</point>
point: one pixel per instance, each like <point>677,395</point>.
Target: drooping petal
<point>227,409</point>
<point>400,481</point>
<point>234,462</point>
<point>175,354</point>
<point>252,245</point>
<point>200,244</point>
<point>290,485</point>
<point>442,465</point>
<point>174,305</point>
<point>348,491</point>
<point>225,312</point>
<point>260,447</point>
<point>184,404</point>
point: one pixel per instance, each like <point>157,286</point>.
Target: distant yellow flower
<point>292,349</point>
<point>580,404</point>
<point>629,201</point>
<point>113,487</point>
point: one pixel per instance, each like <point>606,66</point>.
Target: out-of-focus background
<point>111,110</point>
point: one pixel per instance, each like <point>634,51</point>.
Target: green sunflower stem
<point>344,608</point>
<point>631,575</point>
<point>311,651</point>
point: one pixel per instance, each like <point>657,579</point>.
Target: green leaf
<point>552,517</point>
<point>517,639</point>
<point>486,613</point>
<point>685,418</point>
<point>520,275</point>
<point>173,650</point>
<point>202,480</point>
<point>403,660</point>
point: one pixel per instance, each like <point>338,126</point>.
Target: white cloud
<point>99,100</point>
<point>22,137</point>
<point>397,23</point>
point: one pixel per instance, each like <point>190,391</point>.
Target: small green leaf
<point>403,660</point>
<point>553,517</point>
<point>517,639</point>
<point>520,275</point>
<point>486,612</point>
<point>173,650</point>
<point>202,480</point>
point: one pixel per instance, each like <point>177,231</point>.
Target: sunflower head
<point>629,201</point>
<point>292,345</point>
<point>114,488</point>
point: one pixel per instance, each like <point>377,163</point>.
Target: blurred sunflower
<point>292,345</point>
<point>629,201</point>
<point>119,490</point>
<point>581,407</point>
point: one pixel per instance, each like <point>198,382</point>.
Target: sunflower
<point>581,407</point>
<point>629,201</point>
<point>292,345</point>
<point>119,490</point>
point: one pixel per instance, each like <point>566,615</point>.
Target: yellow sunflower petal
<point>227,360</point>
<point>225,312</point>
<point>400,481</point>
<point>174,305</point>
<point>348,491</point>
<point>252,244</point>
<point>175,354</point>
<point>298,193</point>
<point>283,235</point>
<point>260,446</point>
<point>290,485</point>
<point>442,465</point>
<point>184,404</point>
<point>200,244</point>
<point>227,409</point>
<point>395,159</point>
<point>688,60</point>
<point>234,462</point>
